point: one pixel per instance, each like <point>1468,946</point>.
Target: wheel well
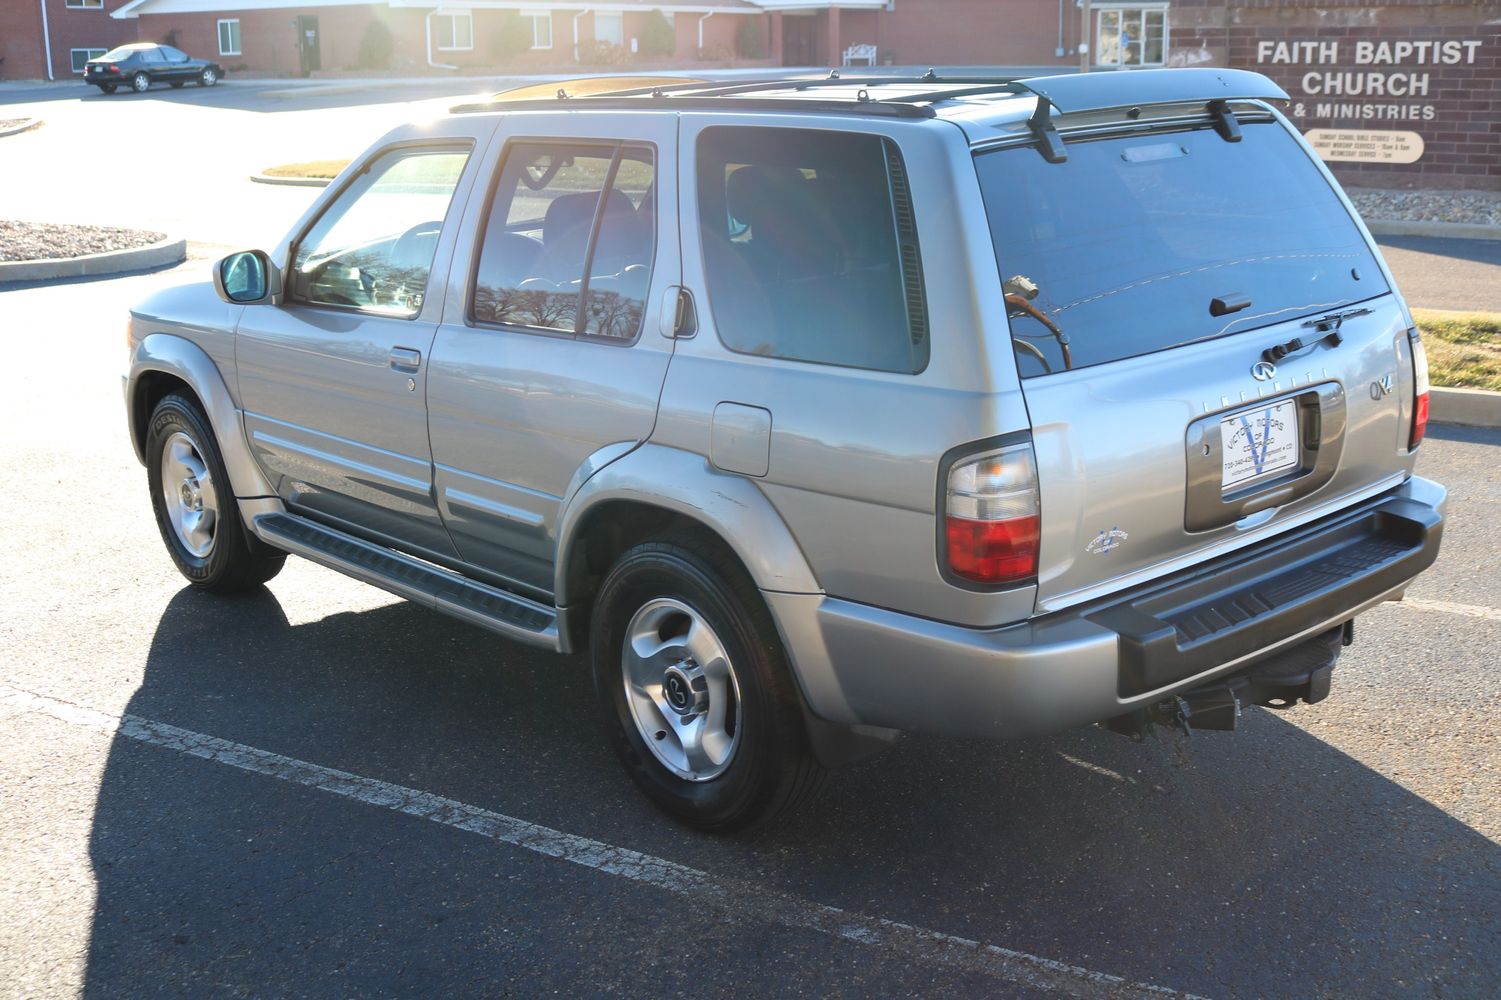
<point>609,530</point>
<point>151,389</point>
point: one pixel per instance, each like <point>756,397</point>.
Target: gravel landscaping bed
<point>45,241</point>
<point>1475,207</point>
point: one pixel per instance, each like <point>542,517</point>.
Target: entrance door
<point>800,41</point>
<point>332,378</point>
<point>308,44</point>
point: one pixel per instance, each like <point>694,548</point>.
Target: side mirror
<point>247,278</point>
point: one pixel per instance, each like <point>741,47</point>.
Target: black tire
<point>772,769</point>
<point>177,83</point>
<point>208,77</point>
<point>233,561</point>
<point>140,83</point>
<point>108,88</point>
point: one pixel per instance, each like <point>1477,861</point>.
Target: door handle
<point>405,359</point>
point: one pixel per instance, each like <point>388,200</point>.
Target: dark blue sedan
<point>140,64</point>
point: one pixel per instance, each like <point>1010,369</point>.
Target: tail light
<point>991,516</point>
<point>1419,390</point>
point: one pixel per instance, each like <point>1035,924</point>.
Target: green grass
<point>325,169</point>
<point>1464,348</point>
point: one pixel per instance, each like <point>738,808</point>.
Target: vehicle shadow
<point>1259,863</point>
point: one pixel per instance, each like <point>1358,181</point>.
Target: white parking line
<point>766,905</point>
<point>1450,608</point>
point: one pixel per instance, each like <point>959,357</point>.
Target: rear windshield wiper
<point>1326,326</point>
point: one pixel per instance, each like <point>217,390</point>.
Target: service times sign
<point>1367,89</point>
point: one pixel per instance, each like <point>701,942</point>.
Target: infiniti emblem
<point>1263,371</point>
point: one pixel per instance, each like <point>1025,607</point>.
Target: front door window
<point>373,248</point>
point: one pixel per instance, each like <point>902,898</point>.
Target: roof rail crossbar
<point>999,85</point>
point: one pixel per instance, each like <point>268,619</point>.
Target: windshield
<point>1138,244</point>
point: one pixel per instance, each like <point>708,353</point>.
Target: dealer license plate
<point>1258,444</point>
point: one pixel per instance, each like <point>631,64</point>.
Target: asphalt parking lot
<point>321,791</point>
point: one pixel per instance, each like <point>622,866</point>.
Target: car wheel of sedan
<point>141,82</point>
<point>698,698</point>
<point>208,77</point>
<point>108,88</point>
<point>195,506</point>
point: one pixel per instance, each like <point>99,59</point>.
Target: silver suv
<point>817,411</point>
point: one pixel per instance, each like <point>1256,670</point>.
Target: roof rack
<point>1067,94</point>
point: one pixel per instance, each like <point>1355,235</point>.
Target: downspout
<point>576,32</point>
<point>701,31</point>
<point>1060,51</point>
<point>47,41</point>
<point>427,23</point>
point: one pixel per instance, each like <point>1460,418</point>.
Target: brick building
<point>1402,93</point>
<point>52,39</point>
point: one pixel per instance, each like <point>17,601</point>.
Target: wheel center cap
<point>685,688</point>
<point>191,498</point>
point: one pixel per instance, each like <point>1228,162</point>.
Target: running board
<point>510,615</point>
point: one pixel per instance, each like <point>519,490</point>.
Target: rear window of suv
<point>1123,248</point>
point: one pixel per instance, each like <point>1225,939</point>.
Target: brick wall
<point>82,29</point>
<point>21,42</point>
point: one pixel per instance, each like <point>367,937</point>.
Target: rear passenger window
<point>810,247</point>
<point>554,240</point>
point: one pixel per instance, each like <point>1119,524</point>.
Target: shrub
<point>749,39</point>
<point>658,36</point>
<point>376,47</point>
<point>599,53</point>
<point>513,36</point>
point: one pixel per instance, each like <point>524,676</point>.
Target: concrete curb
<point>308,182</point>
<point>25,126</point>
<point>1444,230</point>
<point>168,251</point>
<point>1474,407</point>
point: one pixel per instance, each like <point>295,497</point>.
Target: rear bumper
<point>860,665</point>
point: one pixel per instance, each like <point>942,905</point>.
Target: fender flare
<point>685,483</point>
<point>180,357</point>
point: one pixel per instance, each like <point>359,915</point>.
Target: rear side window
<point>555,239</point>
<point>810,247</point>
<point>1123,249</point>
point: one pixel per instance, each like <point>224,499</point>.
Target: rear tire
<point>140,83</point>
<point>699,702</point>
<point>108,88</point>
<point>195,506</point>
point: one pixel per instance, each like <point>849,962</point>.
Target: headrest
<point>758,185</point>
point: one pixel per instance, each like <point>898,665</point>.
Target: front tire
<point>699,702</point>
<point>208,77</point>
<point>140,83</point>
<point>108,88</point>
<point>195,507</point>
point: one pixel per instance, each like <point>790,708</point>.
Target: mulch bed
<point>46,241</point>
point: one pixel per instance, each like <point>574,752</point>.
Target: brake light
<point>991,521</point>
<point>1419,390</point>
<point>113,68</point>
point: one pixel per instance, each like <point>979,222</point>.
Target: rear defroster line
<point>734,899</point>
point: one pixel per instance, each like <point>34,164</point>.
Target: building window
<point>541,27</point>
<point>1130,36</point>
<point>609,27</point>
<point>229,37</point>
<point>82,56</point>
<point>84,5</point>
<point>453,31</point>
